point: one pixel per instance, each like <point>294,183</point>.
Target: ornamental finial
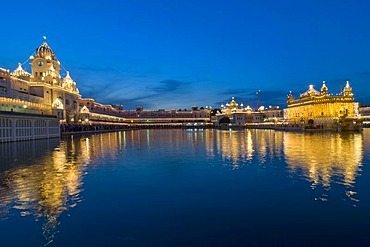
<point>45,39</point>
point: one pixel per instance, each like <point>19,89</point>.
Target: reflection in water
<point>321,158</point>
<point>44,188</point>
<point>45,178</point>
<point>237,147</point>
<point>326,158</point>
<point>241,147</point>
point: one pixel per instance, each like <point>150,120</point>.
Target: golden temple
<point>321,110</point>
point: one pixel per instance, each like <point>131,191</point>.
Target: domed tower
<point>233,104</point>
<point>45,66</point>
<point>324,89</point>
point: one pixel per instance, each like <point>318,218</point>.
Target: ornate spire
<point>290,97</point>
<point>347,90</point>
<point>324,89</point>
<point>20,71</point>
<point>69,84</point>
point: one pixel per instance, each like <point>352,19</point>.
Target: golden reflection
<point>325,158</point>
<point>47,188</point>
<point>232,145</point>
<point>239,147</point>
<point>46,178</point>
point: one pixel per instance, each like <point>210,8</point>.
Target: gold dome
<point>310,92</point>
<point>44,51</point>
<point>233,104</point>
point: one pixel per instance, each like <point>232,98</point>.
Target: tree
<point>224,120</point>
<point>214,111</point>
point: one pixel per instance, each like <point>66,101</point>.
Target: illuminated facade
<point>236,115</point>
<point>32,105</point>
<point>365,115</point>
<point>93,112</point>
<point>322,110</point>
<point>44,92</point>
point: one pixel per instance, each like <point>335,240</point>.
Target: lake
<point>187,188</point>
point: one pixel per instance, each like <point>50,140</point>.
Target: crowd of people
<point>90,127</point>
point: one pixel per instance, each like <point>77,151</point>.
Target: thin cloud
<point>169,86</point>
<point>268,97</point>
<point>138,92</point>
<point>364,75</point>
<point>97,69</point>
<point>240,92</point>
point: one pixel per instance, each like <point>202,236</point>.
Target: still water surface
<point>187,188</point>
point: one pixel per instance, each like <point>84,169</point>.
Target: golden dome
<point>310,92</point>
<point>44,51</point>
<point>233,104</point>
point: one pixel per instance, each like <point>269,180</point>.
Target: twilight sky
<point>174,54</point>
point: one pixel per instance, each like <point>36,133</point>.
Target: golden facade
<point>93,112</point>
<point>240,115</point>
<point>43,91</point>
<point>321,108</point>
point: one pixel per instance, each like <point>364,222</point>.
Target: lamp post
<point>25,108</point>
<point>258,98</point>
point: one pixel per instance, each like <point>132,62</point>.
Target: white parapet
<point>20,127</point>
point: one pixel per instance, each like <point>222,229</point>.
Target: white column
<point>13,123</point>
<point>33,129</point>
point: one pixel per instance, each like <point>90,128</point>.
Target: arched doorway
<point>224,121</point>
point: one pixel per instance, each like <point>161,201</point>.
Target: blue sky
<point>175,54</point>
